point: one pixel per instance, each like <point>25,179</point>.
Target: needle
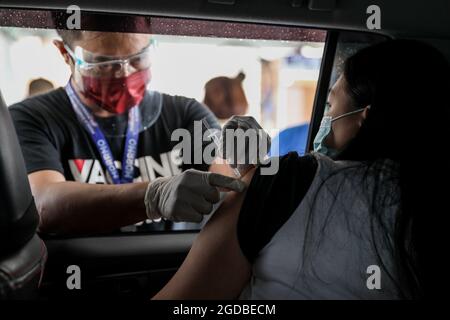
<point>218,142</point>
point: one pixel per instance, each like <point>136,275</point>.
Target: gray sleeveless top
<point>333,264</point>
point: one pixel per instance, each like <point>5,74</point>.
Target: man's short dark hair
<point>69,36</point>
<point>100,22</point>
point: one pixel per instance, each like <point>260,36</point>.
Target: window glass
<point>348,44</point>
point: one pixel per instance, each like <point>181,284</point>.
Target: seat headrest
<point>18,214</point>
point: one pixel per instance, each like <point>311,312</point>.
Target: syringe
<point>215,135</point>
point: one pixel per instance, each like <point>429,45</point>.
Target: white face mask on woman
<point>324,131</point>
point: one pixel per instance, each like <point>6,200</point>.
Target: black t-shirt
<point>52,138</point>
<point>271,200</point>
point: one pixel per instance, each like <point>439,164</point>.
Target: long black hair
<point>407,84</point>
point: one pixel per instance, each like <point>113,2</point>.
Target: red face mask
<point>116,95</point>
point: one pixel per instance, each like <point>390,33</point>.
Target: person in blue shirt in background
<point>290,139</point>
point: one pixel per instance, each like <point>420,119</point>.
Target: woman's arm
<point>215,267</point>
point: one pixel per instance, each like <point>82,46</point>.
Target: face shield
<point>116,84</point>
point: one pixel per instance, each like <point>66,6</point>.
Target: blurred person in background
<point>39,86</point>
<point>225,97</point>
<point>291,139</point>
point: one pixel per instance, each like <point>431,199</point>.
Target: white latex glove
<point>187,196</point>
<point>242,155</point>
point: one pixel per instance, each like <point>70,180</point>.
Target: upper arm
<point>40,179</point>
<point>215,267</point>
<point>39,182</point>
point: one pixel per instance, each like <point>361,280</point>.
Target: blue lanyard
<point>87,119</point>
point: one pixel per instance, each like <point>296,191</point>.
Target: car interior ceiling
<point>400,18</point>
<point>138,266</point>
